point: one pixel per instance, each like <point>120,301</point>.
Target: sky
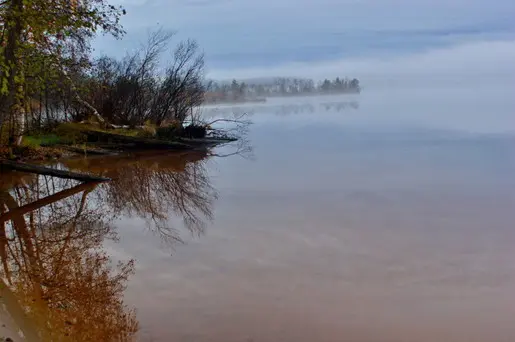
<point>372,39</point>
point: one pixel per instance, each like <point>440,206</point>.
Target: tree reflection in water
<point>53,230</point>
<point>54,263</point>
<point>154,187</point>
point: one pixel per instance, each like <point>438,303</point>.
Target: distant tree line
<point>242,91</point>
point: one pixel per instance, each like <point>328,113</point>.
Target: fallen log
<point>42,170</point>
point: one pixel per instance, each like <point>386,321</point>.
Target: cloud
<point>487,61</point>
<point>247,34</point>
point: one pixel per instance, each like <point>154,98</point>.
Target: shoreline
<point>115,144</point>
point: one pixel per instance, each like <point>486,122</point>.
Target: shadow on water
<point>53,233</point>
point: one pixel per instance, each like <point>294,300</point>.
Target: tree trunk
<point>9,104</point>
<point>19,124</point>
<point>79,99</point>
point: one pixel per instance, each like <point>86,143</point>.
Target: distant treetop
<point>281,86</point>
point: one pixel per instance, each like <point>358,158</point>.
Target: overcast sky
<point>316,38</point>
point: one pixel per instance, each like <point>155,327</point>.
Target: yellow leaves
<point>61,275</point>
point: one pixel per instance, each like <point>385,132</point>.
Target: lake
<point>386,216</point>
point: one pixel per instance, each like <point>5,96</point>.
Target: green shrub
<point>32,142</point>
<point>129,132</point>
<point>69,133</point>
<point>195,131</point>
<point>41,140</point>
<point>151,129</point>
<point>176,130</point>
<point>4,134</point>
<point>170,132</point>
<point>146,133</point>
<point>29,153</point>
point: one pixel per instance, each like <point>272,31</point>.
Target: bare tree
<point>123,90</point>
<point>135,89</point>
<point>182,88</point>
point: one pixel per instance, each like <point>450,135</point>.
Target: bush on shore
<point>29,153</point>
<point>176,131</point>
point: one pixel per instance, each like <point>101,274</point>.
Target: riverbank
<point>32,154</point>
<point>68,140</point>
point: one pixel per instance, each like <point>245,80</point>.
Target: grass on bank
<point>71,132</point>
<point>25,153</point>
<point>46,145</point>
<point>42,140</point>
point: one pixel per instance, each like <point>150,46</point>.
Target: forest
<point>53,89</point>
<point>241,91</point>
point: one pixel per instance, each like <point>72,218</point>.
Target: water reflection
<point>54,263</point>
<point>53,232</point>
<point>153,187</point>
<point>286,109</point>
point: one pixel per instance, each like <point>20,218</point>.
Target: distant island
<point>259,91</point>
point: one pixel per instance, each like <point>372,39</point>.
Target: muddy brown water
<point>339,227</point>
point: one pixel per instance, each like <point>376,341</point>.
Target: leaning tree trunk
<point>19,124</point>
<point>79,99</point>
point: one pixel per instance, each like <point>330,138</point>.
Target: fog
<point>482,63</point>
<point>268,33</point>
<point>380,216</point>
<point>442,64</point>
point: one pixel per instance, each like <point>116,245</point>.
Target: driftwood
<point>42,170</point>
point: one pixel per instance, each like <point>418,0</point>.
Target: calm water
<point>382,217</point>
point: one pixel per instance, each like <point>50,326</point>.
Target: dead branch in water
<point>236,132</point>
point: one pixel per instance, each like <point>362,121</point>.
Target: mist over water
<point>276,171</point>
<point>467,109</point>
<point>477,63</point>
<point>464,87</point>
<point>385,216</point>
